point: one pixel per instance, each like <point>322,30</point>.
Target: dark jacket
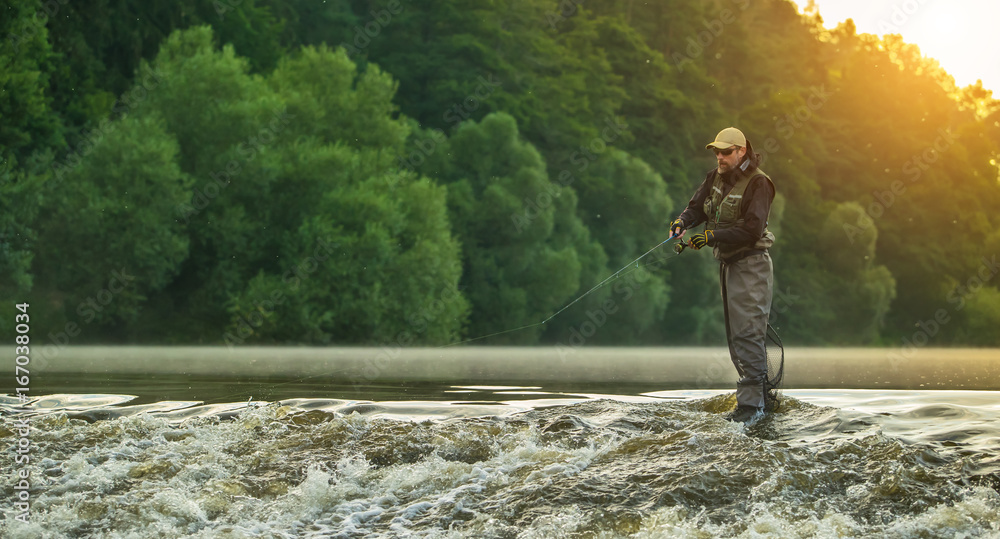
<point>755,207</point>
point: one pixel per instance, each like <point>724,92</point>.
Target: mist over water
<point>879,464</point>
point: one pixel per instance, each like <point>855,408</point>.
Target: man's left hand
<point>702,239</point>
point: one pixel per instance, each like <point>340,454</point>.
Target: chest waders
<point>746,278</point>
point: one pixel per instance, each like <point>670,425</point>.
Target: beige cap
<point>727,138</point>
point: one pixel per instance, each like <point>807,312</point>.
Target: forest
<point>416,173</point>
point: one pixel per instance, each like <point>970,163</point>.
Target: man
<point>734,202</point>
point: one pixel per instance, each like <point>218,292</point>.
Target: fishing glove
<point>676,228</point>
<point>700,240</point>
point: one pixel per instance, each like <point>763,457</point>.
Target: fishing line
<point>570,304</point>
<point>613,276</point>
<point>646,265</point>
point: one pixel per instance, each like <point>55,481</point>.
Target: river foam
<point>827,464</point>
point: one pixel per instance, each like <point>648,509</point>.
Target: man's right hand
<point>677,228</point>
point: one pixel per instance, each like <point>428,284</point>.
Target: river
<point>122,455</point>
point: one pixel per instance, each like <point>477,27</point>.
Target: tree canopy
<point>383,172</point>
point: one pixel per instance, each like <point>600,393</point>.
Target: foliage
<point>29,130</point>
<point>390,172</point>
<point>523,247</point>
<point>130,181</point>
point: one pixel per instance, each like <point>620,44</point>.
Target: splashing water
<point>827,464</point>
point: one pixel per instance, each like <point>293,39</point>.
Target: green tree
<point>229,125</point>
<point>390,267</point>
<point>102,44</point>
<point>372,264</point>
<point>119,239</point>
<point>301,228</point>
<point>860,292</point>
<point>342,105</point>
<point>624,203</point>
<point>524,251</point>
<point>30,132</point>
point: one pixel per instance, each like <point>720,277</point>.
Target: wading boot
<point>744,414</point>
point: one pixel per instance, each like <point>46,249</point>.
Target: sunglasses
<point>727,151</point>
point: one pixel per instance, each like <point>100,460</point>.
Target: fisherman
<point>734,202</point>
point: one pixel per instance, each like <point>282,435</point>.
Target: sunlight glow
<point>959,35</point>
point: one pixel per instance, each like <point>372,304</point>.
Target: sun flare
<point>960,36</point>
